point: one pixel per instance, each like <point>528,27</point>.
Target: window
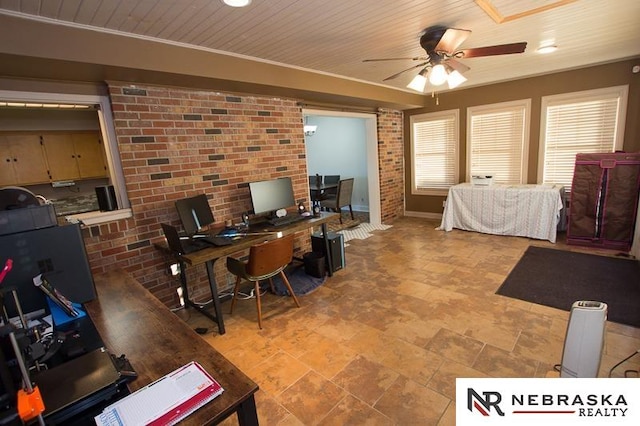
<point>498,141</point>
<point>434,152</point>
<point>580,122</point>
<point>103,106</point>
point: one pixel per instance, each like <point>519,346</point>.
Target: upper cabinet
<point>29,158</point>
<point>22,161</point>
<point>74,155</point>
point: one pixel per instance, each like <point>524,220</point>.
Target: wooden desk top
<point>209,253</point>
<point>133,322</point>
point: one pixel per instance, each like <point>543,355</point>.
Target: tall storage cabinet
<point>604,200</point>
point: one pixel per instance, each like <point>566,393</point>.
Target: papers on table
<point>165,401</point>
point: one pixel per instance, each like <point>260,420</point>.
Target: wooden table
<point>133,322</point>
<point>533,211</point>
<point>209,255</point>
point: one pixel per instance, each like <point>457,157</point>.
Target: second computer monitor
<point>270,195</point>
<point>194,213</point>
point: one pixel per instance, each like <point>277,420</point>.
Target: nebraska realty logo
<point>553,400</point>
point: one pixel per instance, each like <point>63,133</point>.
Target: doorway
<point>350,141</point>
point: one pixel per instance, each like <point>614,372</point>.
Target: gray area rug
<point>557,278</point>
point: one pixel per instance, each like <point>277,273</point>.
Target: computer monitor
<point>59,253</point>
<point>270,195</point>
<point>194,213</point>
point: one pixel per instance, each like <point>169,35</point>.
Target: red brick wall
<point>391,164</point>
<point>175,143</point>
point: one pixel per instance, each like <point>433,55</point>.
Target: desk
<point>534,211</point>
<point>133,322</point>
<point>209,255</point>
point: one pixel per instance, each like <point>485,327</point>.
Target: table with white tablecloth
<point>534,211</point>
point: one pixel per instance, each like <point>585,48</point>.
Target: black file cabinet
<point>336,249</point>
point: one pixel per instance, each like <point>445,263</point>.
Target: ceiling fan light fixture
<point>419,81</point>
<point>455,79</point>
<point>237,3</point>
<point>438,75</point>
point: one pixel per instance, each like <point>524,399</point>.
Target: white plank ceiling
<point>334,36</point>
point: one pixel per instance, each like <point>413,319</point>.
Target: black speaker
<point>106,198</point>
<point>336,249</point>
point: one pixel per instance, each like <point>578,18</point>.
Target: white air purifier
<point>584,340</point>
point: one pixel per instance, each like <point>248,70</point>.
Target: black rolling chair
<point>342,198</point>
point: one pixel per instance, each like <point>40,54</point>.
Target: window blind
<point>584,124</point>
<point>434,146</point>
<point>497,140</point>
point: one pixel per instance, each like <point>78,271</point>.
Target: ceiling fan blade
<point>457,66</point>
<point>415,58</point>
<point>451,39</point>
<point>501,49</point>
<point>391,77</point>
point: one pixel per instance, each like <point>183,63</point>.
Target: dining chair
<point>266,260</point>
<point>341,199</point>
<point>330,179</point>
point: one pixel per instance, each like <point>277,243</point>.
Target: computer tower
<point>336,249</point>
<point>584,340</point>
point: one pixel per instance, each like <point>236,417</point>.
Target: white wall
<point>339,148</point>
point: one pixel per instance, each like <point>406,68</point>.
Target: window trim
<point>496,107</point>
<point>427,117</point>
<point>107,130</point>
<point>582,96</point>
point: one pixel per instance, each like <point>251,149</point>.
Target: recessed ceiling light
<point>237,3</point>
<point>547,49</point>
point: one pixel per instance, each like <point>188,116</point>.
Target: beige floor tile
<point>365,379</point>
<point>407,403</point>
<point>311,398</point>
<point>352,411</point>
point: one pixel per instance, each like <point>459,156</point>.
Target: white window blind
<point>434,142</point>
<point>584,122</point>
<point>497,141</point>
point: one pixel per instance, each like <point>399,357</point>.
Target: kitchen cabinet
<point>22,160</point>
<point>73,156</point>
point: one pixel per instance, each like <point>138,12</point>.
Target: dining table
<point>316,190</point>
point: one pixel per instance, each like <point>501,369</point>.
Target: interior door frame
<point>371,135</point>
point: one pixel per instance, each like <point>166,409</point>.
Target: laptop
<point>177,244</point>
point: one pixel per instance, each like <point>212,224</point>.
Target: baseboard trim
<point>424,215</point>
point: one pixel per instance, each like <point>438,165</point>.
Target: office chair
<point>266,260</point>
<point>342,198</point>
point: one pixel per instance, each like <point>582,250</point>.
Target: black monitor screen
<point>59,253</point>
<point>194,213</point>
<point>270,195</point>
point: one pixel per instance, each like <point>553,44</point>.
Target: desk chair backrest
<point>268,258</point>
<point>173,238</point>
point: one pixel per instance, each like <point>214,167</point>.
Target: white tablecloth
<point>534,211</point>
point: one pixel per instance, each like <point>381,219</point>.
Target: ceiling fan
<point>441,63</point>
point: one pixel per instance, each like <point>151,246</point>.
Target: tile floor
<point>382,341</point>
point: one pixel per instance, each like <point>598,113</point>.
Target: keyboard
<point>285,220</point>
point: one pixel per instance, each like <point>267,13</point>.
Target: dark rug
<point>557,278</point>
<point>301,283</point>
